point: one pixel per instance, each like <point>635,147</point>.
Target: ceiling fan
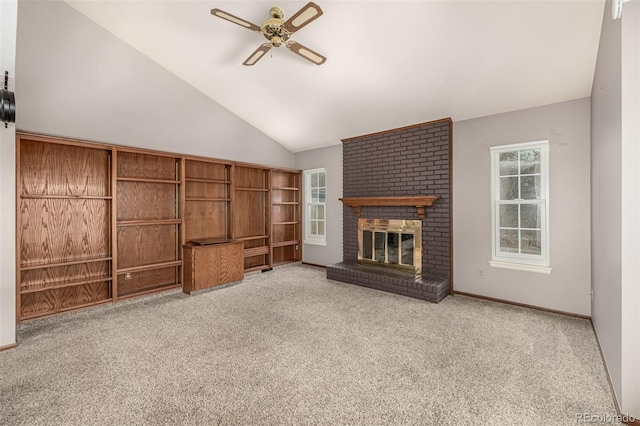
<point>278,31</point>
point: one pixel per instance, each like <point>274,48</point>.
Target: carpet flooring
<point>291,347</point>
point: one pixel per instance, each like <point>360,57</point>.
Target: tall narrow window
<point>315,200</point>
<point>520,206</point>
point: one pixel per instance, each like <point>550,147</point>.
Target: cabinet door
<point>206,270</point>
<point>231,263</point>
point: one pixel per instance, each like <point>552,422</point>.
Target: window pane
<point>321,195</point>
<point>393,250</point>
<point>509,216</point>
<point>321,227</point>
<point>530,187</point>
<point>320,212</point>
<point>321,179</point>
<point>509,188</point>
<point>312,212</point>
<point>314,180</point>
<point>314,227</point>
<point>509,241</point>
<point>529,161</point>
<point>367,244</point>
<point>509,163</point>
<point>531,242</point>
<point>379,246</point>
<point>314,195</point>
<point>530,215</point>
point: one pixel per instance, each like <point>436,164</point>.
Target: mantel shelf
<point>421,202</point>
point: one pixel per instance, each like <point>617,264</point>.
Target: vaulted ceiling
<point>390,63</point>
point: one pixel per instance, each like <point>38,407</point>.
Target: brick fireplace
<point>410,164</point>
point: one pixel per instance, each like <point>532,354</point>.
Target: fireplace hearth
<point>391,243</point>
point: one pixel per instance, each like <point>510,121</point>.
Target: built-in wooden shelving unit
<point>98,222</point>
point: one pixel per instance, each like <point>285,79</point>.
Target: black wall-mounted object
<point>7,103</point>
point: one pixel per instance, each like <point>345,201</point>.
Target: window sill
<point>520,267</point>
<point>316,242</point>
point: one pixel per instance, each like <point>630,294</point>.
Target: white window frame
<point>320,240</point>
<point>525,262</point>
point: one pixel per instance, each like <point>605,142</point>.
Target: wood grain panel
<point>205,219</point>
<point>59,300</point>
<point>249,214</point>
<point>146,201</point>
<point>285,254</point>
<point>281,195</point>
<point>231,263</point>
<point>58,230</point>
<point>251,262</point>
<point>47,277</point>
<point>143,245</point>
<point>284,233</point>
<point>284,213</point>
<point>54,169</point>
<point>205,170</point>
<point>283,179</point>
<point>248,177</point>
<point>256,243</point>
<point>146,166</point>
<point>146,280</point>
<point>207,190</point>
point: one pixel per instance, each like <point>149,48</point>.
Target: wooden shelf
<point>420,202</point>
<point>150,291</point>
<point>207,180</point>
<point>286,203</point>
<point>257,268</point>
<point>149,222</point>
<point>207,199</point>
<point>285,223</point>
<point>71,262</point>
<point>67,197</point>
<point>149,267</point>
<point>71,308</point>
<point>256,251</point>
<point>285,243</point>
<point>127,179</point>
<point>252,189</point>
<point>285,188</point>
<point>65,284</point>
<point>255,237</point>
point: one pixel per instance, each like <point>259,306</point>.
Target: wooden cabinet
<point>207,200</point>
<point>148,223</point>
<point>286,228</point>
<point>64,234</point>
<point>98,222</point>
<point>251,215</point>
<point>210,265</point>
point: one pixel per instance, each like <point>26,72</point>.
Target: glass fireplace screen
<point>392,243</point>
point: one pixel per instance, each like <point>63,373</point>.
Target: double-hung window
<point>315,209</point>
<point>520,206</point>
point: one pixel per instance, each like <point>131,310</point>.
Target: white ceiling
<point>390,63</point>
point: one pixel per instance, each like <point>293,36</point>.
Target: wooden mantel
<point>421,202</point>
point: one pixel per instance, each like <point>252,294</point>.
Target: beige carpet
<point>290,347</point>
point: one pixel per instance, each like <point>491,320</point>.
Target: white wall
<point>616,136</point>
<point>615,187</point>
<point>566,126</point>
<point>8,18</point>
<point>329,158</point>
<point>630,320</point>
<point>77,80</point>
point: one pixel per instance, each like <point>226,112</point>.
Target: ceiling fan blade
<point>310,12</point>
<point>305,52</point>
<point>231,18</point>
<point>259,53</point>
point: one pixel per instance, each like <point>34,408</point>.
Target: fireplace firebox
<point>391,243</point>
